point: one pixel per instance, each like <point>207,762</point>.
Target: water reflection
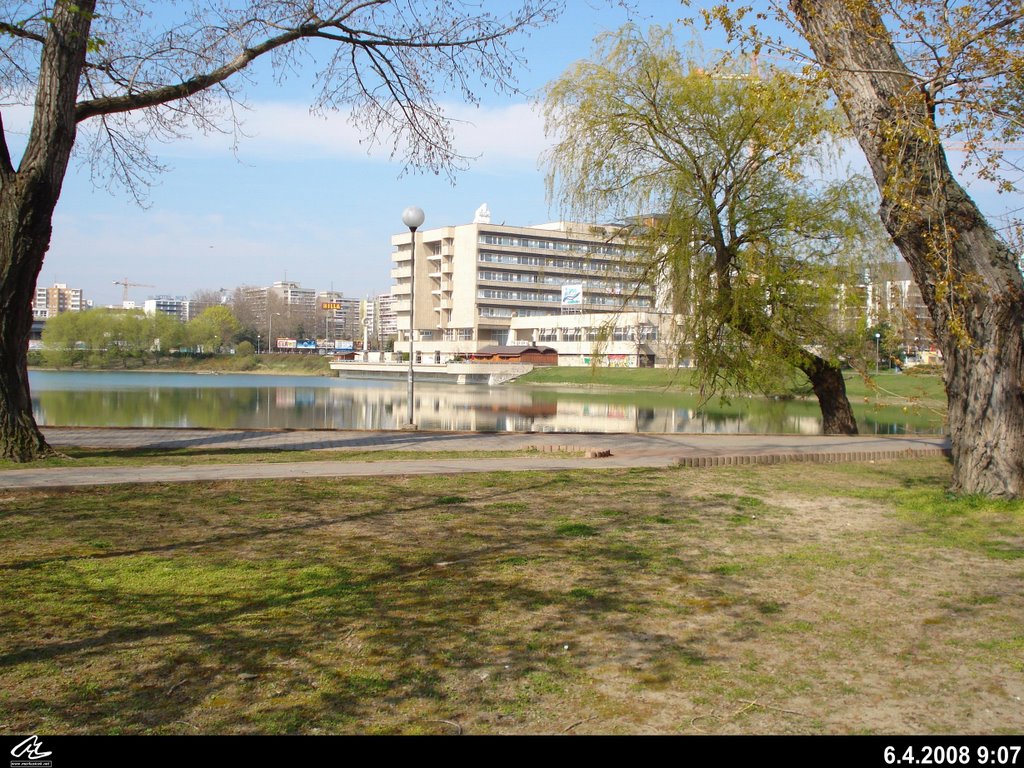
<point>253,401</point>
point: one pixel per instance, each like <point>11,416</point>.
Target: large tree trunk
<point>21,258</point>
<point>830,388</point>
<point>28,197</point>
<point>967,275</point>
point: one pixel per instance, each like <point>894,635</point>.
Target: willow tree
<point>910,75</point>
<point>126,73</point>
<point>723,175</point>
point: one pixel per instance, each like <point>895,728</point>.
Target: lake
<point>252,401</point>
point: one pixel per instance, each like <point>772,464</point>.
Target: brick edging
<point>809,458</point>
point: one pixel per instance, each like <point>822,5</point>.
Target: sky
<point>300,198</point>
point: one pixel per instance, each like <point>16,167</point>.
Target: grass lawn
<point>727,600</point>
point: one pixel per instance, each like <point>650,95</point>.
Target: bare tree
<point>126,76</point>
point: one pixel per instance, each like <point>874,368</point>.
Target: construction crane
<point>127,285</point>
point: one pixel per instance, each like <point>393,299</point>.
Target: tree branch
<point>157,96</point>
<point>15,31</point>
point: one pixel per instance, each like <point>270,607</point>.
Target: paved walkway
<point>602,450</point>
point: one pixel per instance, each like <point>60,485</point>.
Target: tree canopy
<point>156,73</point>
<point>910,76</point>
<point>725,178</point>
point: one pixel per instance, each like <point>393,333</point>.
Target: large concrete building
<point>385,321</point>
<point>176,306</point>
<point>482,284</point>
<point>50,302</point>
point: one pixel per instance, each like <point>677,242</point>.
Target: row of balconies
<point>404,272</point>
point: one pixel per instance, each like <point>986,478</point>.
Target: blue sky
<point>301,198</point>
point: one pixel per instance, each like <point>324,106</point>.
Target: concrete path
<point>626,450</point>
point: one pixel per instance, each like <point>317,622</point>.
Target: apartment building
<point>385,321</point>
<point>50,302</point>
<point>482,284</point>
<point>896,299</point>
<point>177,306</point>
<point>283,299</point>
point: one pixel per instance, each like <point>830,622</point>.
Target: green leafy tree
<point>61,337</point>
<point>113,75</point>
<point>102,337</point>
<point>168,332</point>
<point>745,230</point>
<point>214,329</point>
<point>910,75</point>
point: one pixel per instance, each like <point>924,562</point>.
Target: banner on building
<point>572,295</point>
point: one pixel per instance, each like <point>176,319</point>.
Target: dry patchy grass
<point>731,600</point>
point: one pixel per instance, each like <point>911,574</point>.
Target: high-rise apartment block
<point>176,306</point>
<point>385,321</point>
<point>295,298</point>
<point>283,299</point>
<point>484,284</point>
<point>50,302</point>
<point>343,318</point>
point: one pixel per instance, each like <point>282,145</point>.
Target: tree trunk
<point>28,197</point>
<point>967,275</point>
<point>830,388</point>
<point>20,438</point>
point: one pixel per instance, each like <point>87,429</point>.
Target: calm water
<point>105,398</point>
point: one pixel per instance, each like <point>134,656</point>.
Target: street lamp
<point>412,217</point>
<point>877,337</point>
<point>270,330</point>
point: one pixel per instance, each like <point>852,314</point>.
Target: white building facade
<point>573,287</point>
<point>177,306</point>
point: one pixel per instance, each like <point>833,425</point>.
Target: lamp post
<point>412,217</point>
<point>877,337</point>
<point>270,330</point>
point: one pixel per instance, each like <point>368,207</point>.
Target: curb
<point>808,458</point>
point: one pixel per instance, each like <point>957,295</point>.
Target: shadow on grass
<point>372,611</point>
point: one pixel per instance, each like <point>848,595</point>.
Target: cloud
<point>502,136</point>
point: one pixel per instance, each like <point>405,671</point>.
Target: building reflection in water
<point>237,401</point>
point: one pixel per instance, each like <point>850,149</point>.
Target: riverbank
<point>284,364</point>
<point>918,388</point>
